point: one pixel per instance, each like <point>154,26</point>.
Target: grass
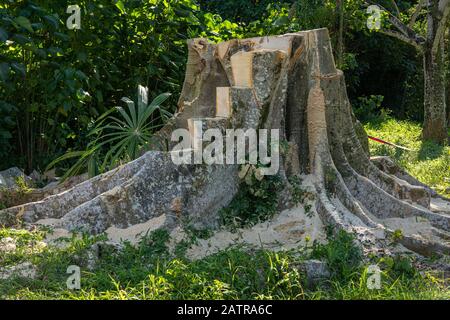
<point>151,271</point>
<point>148,271</point>
<point>429,162</point>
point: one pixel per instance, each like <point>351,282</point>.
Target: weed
<point>256,201</point>
<point>300,195</point>
<point>397,235</point>
<point>341,253</point>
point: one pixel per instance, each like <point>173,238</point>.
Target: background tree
<point>406,27</point>
<point>340,8</point>
<point>448,75</point>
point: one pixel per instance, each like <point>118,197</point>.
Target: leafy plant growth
<point>119,138</point>
<point>256,201</point>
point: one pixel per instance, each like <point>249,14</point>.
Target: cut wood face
<point>282,42</point>
<point>223,102</point>
<point>195,131</point>
<point>242,67</point>
<point>259,70</point>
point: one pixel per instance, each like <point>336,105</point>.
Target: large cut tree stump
<point>288,82</point>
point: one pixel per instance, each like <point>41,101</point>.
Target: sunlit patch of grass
<point>26,243</point>
<point>401,288</point>
<point>429,162</point>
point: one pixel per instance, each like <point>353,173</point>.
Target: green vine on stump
<point>256,201</point>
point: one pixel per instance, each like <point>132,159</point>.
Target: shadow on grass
<point>374,123</point>
<point>430,151</point>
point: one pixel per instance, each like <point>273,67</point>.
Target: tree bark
<point>448,97</point>
<point>435,116</point>
<point>447,92</point>
<point>340,10</point>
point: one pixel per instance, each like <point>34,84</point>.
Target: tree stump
<point>288,82</point>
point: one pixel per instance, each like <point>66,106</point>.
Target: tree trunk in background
<point>448,92</point>
<point>340,45</point>
<point>435,124</point>
<point>435,116</point>
<point>448,103</point>
<point>448,98</point>
<point>448,78</point>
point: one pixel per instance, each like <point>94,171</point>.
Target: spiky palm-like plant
<point>125,134</point>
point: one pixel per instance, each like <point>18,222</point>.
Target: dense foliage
<point>56,82</point>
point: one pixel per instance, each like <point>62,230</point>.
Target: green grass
<point>150,271</point>
<point>429,162</point>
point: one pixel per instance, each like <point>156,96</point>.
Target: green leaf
<point>62,36</point>
<point>82,56</point>
<point>182,12</point>
<point>36,8</point>
<point>24,23</point>
<point>132,109</point>
<point>19,68</point>
<point>5,135</point>
<point>281,21</point>
<point>7,107</point>
<point>68,155</point>
<point>3,35</point>
<point>99,96</point>
<point>4,71</point>
<point>67,106</point>
<point>21,39</point>
<point>120,5</point>
<point>92,166</point>
<point>37,26</point>
<point>52,21</point>
<point>160,99</point>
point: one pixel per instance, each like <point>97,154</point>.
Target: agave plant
<point>126,132</point>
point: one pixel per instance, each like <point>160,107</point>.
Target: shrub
<point>256,201</point>
<point>368,108</point>
<point>119,138</point>
<point>341,253</point>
